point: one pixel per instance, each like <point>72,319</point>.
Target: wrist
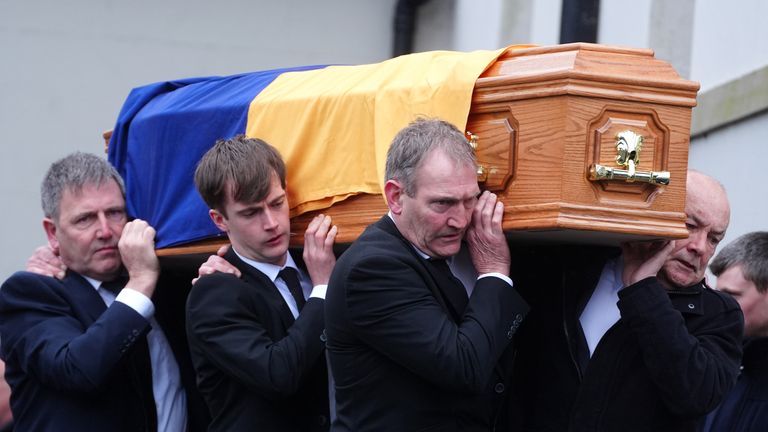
<point>493,267</point>
<point>144,283</point>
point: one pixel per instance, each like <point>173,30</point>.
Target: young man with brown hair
<point>256,341</point>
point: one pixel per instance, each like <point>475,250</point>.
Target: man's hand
<point>216,263</point>
<point>487,243</point>
<point>46,262</point>
<point>644,259</point>
<point>137,249</point>
<point>318,249</point>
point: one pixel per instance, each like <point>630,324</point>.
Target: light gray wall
<point>625,23</point>
<point>730,40</point>
<point>492,24</point>
<point>67,66</point>
<point>736,156</point>
<point>728,52</point>
<point>723,47</point>
<point>435,28</point>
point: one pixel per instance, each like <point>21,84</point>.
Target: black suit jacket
<point>400,361</point>
<point>669,359</point>
<point>257,367</point>
<point>69,357</point>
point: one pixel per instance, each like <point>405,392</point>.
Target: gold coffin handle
<point>599,172</point>
<point>628,148</point>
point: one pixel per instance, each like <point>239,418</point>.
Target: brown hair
<point>240,164</point>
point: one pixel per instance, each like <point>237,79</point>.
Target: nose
<point>103,230</point>
<point>269,220</point>
<point>459,217</point>
<point>697,242</point>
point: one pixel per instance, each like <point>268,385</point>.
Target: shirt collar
<point>271,270</point>
<point>618,273</point>
<point>94,282</point>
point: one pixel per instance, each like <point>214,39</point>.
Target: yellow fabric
<point>333,126</point>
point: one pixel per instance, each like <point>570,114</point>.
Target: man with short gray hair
<point>84,353</point>
<point>742,271</point>
<point>408,348</point>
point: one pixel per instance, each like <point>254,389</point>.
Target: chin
<point>107,273</point>
<point>109,265</point>
<point>682,280</point>
<point>448,250</point>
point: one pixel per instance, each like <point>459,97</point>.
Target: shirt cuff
<point>319,291</point>
<point>505,278</point>
<point>136,301</point>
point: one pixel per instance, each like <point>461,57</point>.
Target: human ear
<point>219,220</point>
<point>50,231</point>
<point>393,191</point>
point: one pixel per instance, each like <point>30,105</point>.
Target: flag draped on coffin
<point>332,125</point>
<point>162,131</point>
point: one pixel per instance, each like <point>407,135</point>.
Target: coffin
<point>581,142</point>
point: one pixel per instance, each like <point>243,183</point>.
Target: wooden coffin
<point>544,118</point>
<point>552,125</point>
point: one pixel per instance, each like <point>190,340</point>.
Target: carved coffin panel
<point>494,136</point>
<point>571,105</point>
<point>545,120</point>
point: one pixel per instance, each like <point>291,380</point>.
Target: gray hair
<point>750,251</point>
<point>414,142</point>
<point>72,173</point>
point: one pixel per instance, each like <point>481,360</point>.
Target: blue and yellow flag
<point>332,125</point>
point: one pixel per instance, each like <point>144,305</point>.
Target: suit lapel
<point>450,288</point>
<point>579,282</point>
<point>85,295</point>
<point>260,282</point>
<point>436,279</point>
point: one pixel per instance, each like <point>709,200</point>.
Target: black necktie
<point>291,278</point>
<point>115,286</point>
<point>141,366</point>
<point>451,286</point>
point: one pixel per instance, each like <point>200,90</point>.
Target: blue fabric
<point>163,130</point>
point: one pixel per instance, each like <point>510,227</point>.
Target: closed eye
<point>442,205</point>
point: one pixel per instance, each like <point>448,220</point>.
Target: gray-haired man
<point>84,353</point>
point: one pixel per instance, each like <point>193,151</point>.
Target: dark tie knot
<point>441,264</point>
<point>116,285</point>
<point>288,273</point>
<point>291,278</point>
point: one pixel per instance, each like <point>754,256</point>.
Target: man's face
<point>260,230</point>
<point>88,228</point>
<point>707,215</point>
<point>437,216</point>
<point>753,303</point>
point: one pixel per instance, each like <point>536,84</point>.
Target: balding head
<point>707,216</point>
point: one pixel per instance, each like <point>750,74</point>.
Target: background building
<point>66,67</point>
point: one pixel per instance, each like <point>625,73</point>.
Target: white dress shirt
<point>602,311</point>
<point>272,271</point>
<point>170,399</point>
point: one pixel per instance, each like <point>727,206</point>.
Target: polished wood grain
<point>543,116</point>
